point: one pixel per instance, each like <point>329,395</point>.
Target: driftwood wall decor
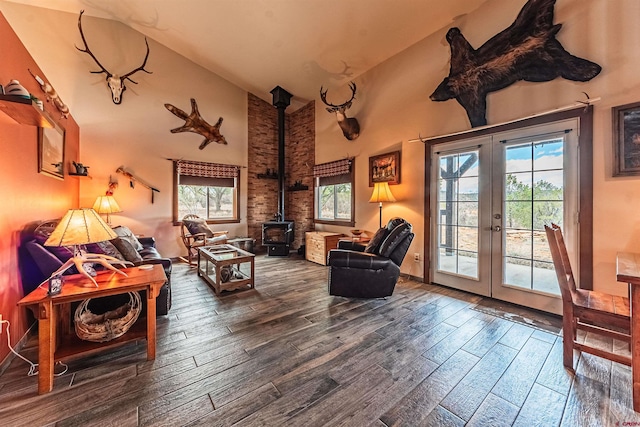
<point>195,123</point>
<point>527,50</point>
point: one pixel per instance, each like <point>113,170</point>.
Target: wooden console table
<point>57,339</point>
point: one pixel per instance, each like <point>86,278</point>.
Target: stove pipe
<point>281,100</point>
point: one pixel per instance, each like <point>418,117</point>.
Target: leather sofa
<point>38,262</point>
<point>370,271</point>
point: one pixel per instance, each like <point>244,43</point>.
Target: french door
<point>492,196</point>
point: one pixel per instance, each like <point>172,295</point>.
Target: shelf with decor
<point>298,187</point>
<point>79,175</point>
<point>267,176</point>
<point>25,111</point>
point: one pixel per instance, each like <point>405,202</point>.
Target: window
<point>334,192</point>
<point>209,190</point>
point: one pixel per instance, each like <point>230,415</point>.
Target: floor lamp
<point>381,193</point>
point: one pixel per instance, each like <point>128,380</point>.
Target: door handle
<point>496,228</point>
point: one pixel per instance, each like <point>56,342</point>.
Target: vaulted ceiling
<point>297,44</point>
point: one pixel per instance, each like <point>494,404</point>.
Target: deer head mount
<point>349,125</point>
<point>195,123</point>
<point>114,81</point>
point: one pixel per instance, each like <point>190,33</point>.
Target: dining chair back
<point>590,311</point>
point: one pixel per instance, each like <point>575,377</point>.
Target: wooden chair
<point>590,311</point>
<point>193,241</point>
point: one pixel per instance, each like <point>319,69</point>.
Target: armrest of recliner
<point>353,259</point>
<point>351,246</point>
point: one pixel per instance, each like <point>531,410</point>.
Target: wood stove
<point>277,236</point>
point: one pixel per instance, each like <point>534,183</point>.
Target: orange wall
<point>25,195</point>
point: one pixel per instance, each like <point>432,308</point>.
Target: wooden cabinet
<point>319,243</point>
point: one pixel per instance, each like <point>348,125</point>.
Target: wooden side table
<point>363,240</point>
<point>58,341</point>
<point>319,243</point>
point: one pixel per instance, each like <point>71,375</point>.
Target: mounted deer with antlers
<point>349,125</point>
<point>114,81</point>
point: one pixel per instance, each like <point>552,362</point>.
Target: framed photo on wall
<point>51,152</point>
<point>385,168</point>
<point>626,139</point>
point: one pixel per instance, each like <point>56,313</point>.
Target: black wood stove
<point>278,235</point>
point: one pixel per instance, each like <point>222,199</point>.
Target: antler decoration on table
<point>114,81</point>
<point>133,180</point>
<point>195,123</point>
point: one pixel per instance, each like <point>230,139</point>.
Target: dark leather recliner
<point>370,271</point>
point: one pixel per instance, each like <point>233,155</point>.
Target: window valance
<point>206,170</point>
<point>338,167</point>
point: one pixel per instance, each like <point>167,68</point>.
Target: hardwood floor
<point>287,353</point>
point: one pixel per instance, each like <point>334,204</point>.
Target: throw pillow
<point>198,225</point>
<point>93,248</point>
<point>41,235</point>
<point>126,234</point>
<point>126,249</point>
<point>109,249</point>
<point>376,240</point>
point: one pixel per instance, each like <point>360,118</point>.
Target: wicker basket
<point>107,326</point>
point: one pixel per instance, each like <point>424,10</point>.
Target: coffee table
<point>57,339</point>
<point>226,267</point>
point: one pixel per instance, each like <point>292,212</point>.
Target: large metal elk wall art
<point>526,50</point>
<point>115,82</point>
<point>195,123</point>
<point>349,125</point>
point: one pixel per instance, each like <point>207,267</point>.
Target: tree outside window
<point>208,190</point>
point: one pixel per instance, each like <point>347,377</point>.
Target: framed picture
<point>51,152</point>
<point>626,139</point>
<point>385,168</point>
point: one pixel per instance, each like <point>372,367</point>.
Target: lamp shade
<point>79,227</point>
<point>106,205</point>
<point>381,193</point>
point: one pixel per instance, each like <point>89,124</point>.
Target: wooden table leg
<point>253,279</point>
<point>46,346</point>
<point>216,288</point>
<point>635,345</point>
<point>151,322</point>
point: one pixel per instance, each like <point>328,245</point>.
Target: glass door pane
<point>533,186</point>
<point>461,244</point>
<point>458,213</point>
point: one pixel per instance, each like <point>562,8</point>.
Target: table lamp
<point>79,227</point>
<point>106,205</point>
<point>381,193</point>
